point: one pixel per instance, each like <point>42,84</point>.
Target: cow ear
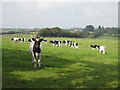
<point>29,40</point>
<point>41,39</point>
<point>33,39</point>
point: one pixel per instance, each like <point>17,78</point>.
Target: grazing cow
<point>35,49</point>
<point>18,39</point>
<point>102,49</point>
<point>67,42</point>
<point>74,45</point>
<point>15,39</point>
<point>22,39</point>
<point>56,43</point>
<point>52,41</point>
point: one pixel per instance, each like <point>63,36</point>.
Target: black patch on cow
<point>41,40</point>
<point>23,39</point>
<point>12,39</point>
<point>36,48</point>
<point>60,42</point>
<point>76,44</point>
<point>29,40</point>
<point>55,42</point>
<point>51,41</point>
<point>33,39</point>
<point>20,39</point>
<point>63,41</point>
<point>93,46</point>
<point>98,47</point>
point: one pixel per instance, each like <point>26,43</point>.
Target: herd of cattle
<point>35,47</point>
<point>53,42</point>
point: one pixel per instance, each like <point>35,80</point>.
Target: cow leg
<point>103,51</point>
<point>35,63</point>
<point>39,60</point>
<point>34,60</point>
<point>76,47</point>
<point>32,56</point>
<point>53,44</point>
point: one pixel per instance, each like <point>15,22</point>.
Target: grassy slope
<point>64,67</point>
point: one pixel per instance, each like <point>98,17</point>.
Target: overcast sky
<point>61,14</point>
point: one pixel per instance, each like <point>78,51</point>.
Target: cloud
<point>100,9</point>
<point>0,14</point>
<point>60,0</point>
<point>63,14</point>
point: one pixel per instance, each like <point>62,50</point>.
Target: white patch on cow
<point>37,39</point>
<point>76,47</point>
<point>53,44</point>
<point>31,45</point>
<point>102,49</point>
<point>36,54</point>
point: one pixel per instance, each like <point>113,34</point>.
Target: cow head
<point>91,46</point>
<point>12,39</point>
<point>36,41</point>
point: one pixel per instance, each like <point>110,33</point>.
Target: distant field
<point>64,67</point>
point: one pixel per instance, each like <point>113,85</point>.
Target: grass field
<point>64,67</point>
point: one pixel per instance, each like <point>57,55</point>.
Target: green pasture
<point>63,67</point>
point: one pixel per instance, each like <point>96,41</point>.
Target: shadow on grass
<point>18,60</point>
<point>87,74</point>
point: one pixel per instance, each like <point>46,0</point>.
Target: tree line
<point>88,32</point>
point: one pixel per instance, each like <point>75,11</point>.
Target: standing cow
<point>18,39</point>
<point>102,49</point>
<point>35,49</point>
<point>74,45</point>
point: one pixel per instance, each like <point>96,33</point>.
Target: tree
<point>45,32</point>
<point>112,31</point>
<point>99,27</point>
<point>102,28</point>
<point>89,28</point>
<point>85,34</point>
<point>98,33</point>
<point>78,34</point>
<point>55,31</point>
<point>11,32</point>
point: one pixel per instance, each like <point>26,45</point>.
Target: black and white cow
<point>35,50</point>
<point>56,43</point>
<point>74,45</point>
<point>71,44</point>
<point>18,39</point>
<point>102,49</point>
<point>22,39</point>
<point>67,42</point>
<point>52,41</point>
<point>15,39</point>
